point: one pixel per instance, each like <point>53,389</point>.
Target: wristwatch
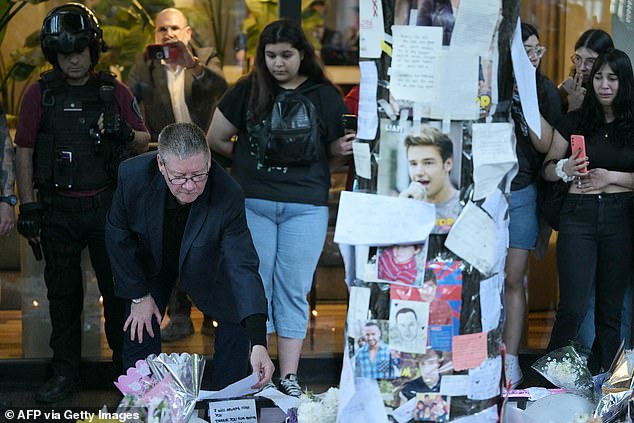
<point>138,300</point>
<point>11,200</point>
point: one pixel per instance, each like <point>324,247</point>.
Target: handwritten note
<point>357,310</point>
<point>491,301</point>
<point>475,24</point>
<point>454,385</point>
<point>469,351</point>
<point>485,380</point>
<point>472,237</point>
<point>524,72</point>
<point>365,406</point>
<point>370,219</point>
<point>238,411</point>
<point>456,86</point>
<point>405,413</point>
<point>368,118</point>
<point>371,28</point>
<point>415,53</point>
<point>493,156</point>
<point>361,152</point>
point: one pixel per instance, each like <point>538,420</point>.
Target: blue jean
<point>523,221</point>
<point>594,246</point>
<point>289,238</point>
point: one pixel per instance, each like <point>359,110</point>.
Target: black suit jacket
<point>148,82</point>
<point>218,264</point>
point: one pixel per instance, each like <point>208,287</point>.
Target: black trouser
<point>231,344</point>
<point>180,306</point>
<point>594,243</point>
<point>69,225</point>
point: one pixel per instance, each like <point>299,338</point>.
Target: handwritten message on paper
<point>491,301</point>
<point>368,118</point>
<point>362,161</point>
<point>371,28</point>
<point>370,219</point>
<point>485,380</point>
<point>493,156</point>
<point>456,86</point>
<point>476,22</point>
<point>234,411</point>
<point>414,56</point>
<point>469,351</point>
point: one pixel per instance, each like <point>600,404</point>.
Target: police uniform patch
<point>136,109</point>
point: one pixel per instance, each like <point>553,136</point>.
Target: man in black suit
<point>183,87</point>
<point>178,214</point>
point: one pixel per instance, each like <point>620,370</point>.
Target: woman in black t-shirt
<point>286,204</point>
<point>595,233</point>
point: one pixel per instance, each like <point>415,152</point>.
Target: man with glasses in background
<point>182,87</point>
<point>178,214</point>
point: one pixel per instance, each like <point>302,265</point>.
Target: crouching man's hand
<point>262,365</point>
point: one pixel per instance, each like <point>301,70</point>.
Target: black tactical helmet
<point>71,28</point>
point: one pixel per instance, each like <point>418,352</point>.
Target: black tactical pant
<point>69,225</point>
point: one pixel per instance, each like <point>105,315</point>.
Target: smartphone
<point>578,142</point>
<point>167,51</point>
<point>349,123</point>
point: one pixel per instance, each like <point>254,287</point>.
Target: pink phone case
<point>578,142</point>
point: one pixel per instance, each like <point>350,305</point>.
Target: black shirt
<point>176,216</point>
<point>301,184</point>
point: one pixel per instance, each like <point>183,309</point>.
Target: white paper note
<point>283,401</point>
<point>368,118</point>
<point>454,385</point>
<point>456,86</point>
<point>361,152</point>
<point>484,381</point>
<point>405,412</point>
<point>366,406</point>
<point>358,306</point>
<point>347,387</point>
<point>371,28</point>
<point>235,390</point>
<point>524,72</point>
<point>472,238</point>
<point>370,219</point>
<point>476,22</point>
<point>233,411</point>
<point>493,156</point>
<point>491,301</point>
<point>414,56</point>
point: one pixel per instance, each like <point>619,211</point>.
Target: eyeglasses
<point>537,51</point>
<point>182,180</point>
<point>580,61</point>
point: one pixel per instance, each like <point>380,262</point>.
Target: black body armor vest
<point>69,152</point>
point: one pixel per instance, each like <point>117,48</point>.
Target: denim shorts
<point>524,221</point>
<point>289,238</point>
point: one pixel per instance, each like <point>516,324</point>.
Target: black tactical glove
<point>30,220</point>
<point>118,128</point>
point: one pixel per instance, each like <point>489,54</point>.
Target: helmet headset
<point>70,29</point>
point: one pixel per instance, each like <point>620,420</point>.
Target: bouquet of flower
<point>320,408</point>
<point>566,369</point>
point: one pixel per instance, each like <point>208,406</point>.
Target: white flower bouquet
<point>566,369</point>
<point>320,408</point>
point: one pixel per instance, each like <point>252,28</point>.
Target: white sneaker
<point>513,371</point>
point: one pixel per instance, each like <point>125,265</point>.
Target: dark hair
<point>596,40</point>
<point>264,84</point>
<point>592,115</point>
<point>405,310</point>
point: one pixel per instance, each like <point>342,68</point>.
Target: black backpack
<point>291,134</point>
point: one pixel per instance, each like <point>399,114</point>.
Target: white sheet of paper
<point>403,337</point>
<point>456,86</point>
<point>283,401</point>
<point>491,301</point>
<point>233,411</point>
<point>370,219</point>
<point>490,415</point>
<point>493,156</point>
<point>235,390</point>
<point>361,152</point>
<point>476,21</point>
<point>472,238</point>
<point>524,72</point>
<point>496,205</point>
<point>368,118</point>
<point>347,387</point>
<point>454,385</point>
<point>414,55</point>
<point>366,406</point>
<point>371,28</point>
<point>358,306</point>
<point>405,412</point>
<point>484,381</point>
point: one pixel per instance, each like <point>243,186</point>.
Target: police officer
<point>75,126</point>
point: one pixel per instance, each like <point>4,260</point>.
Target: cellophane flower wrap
<point>566,369</point>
